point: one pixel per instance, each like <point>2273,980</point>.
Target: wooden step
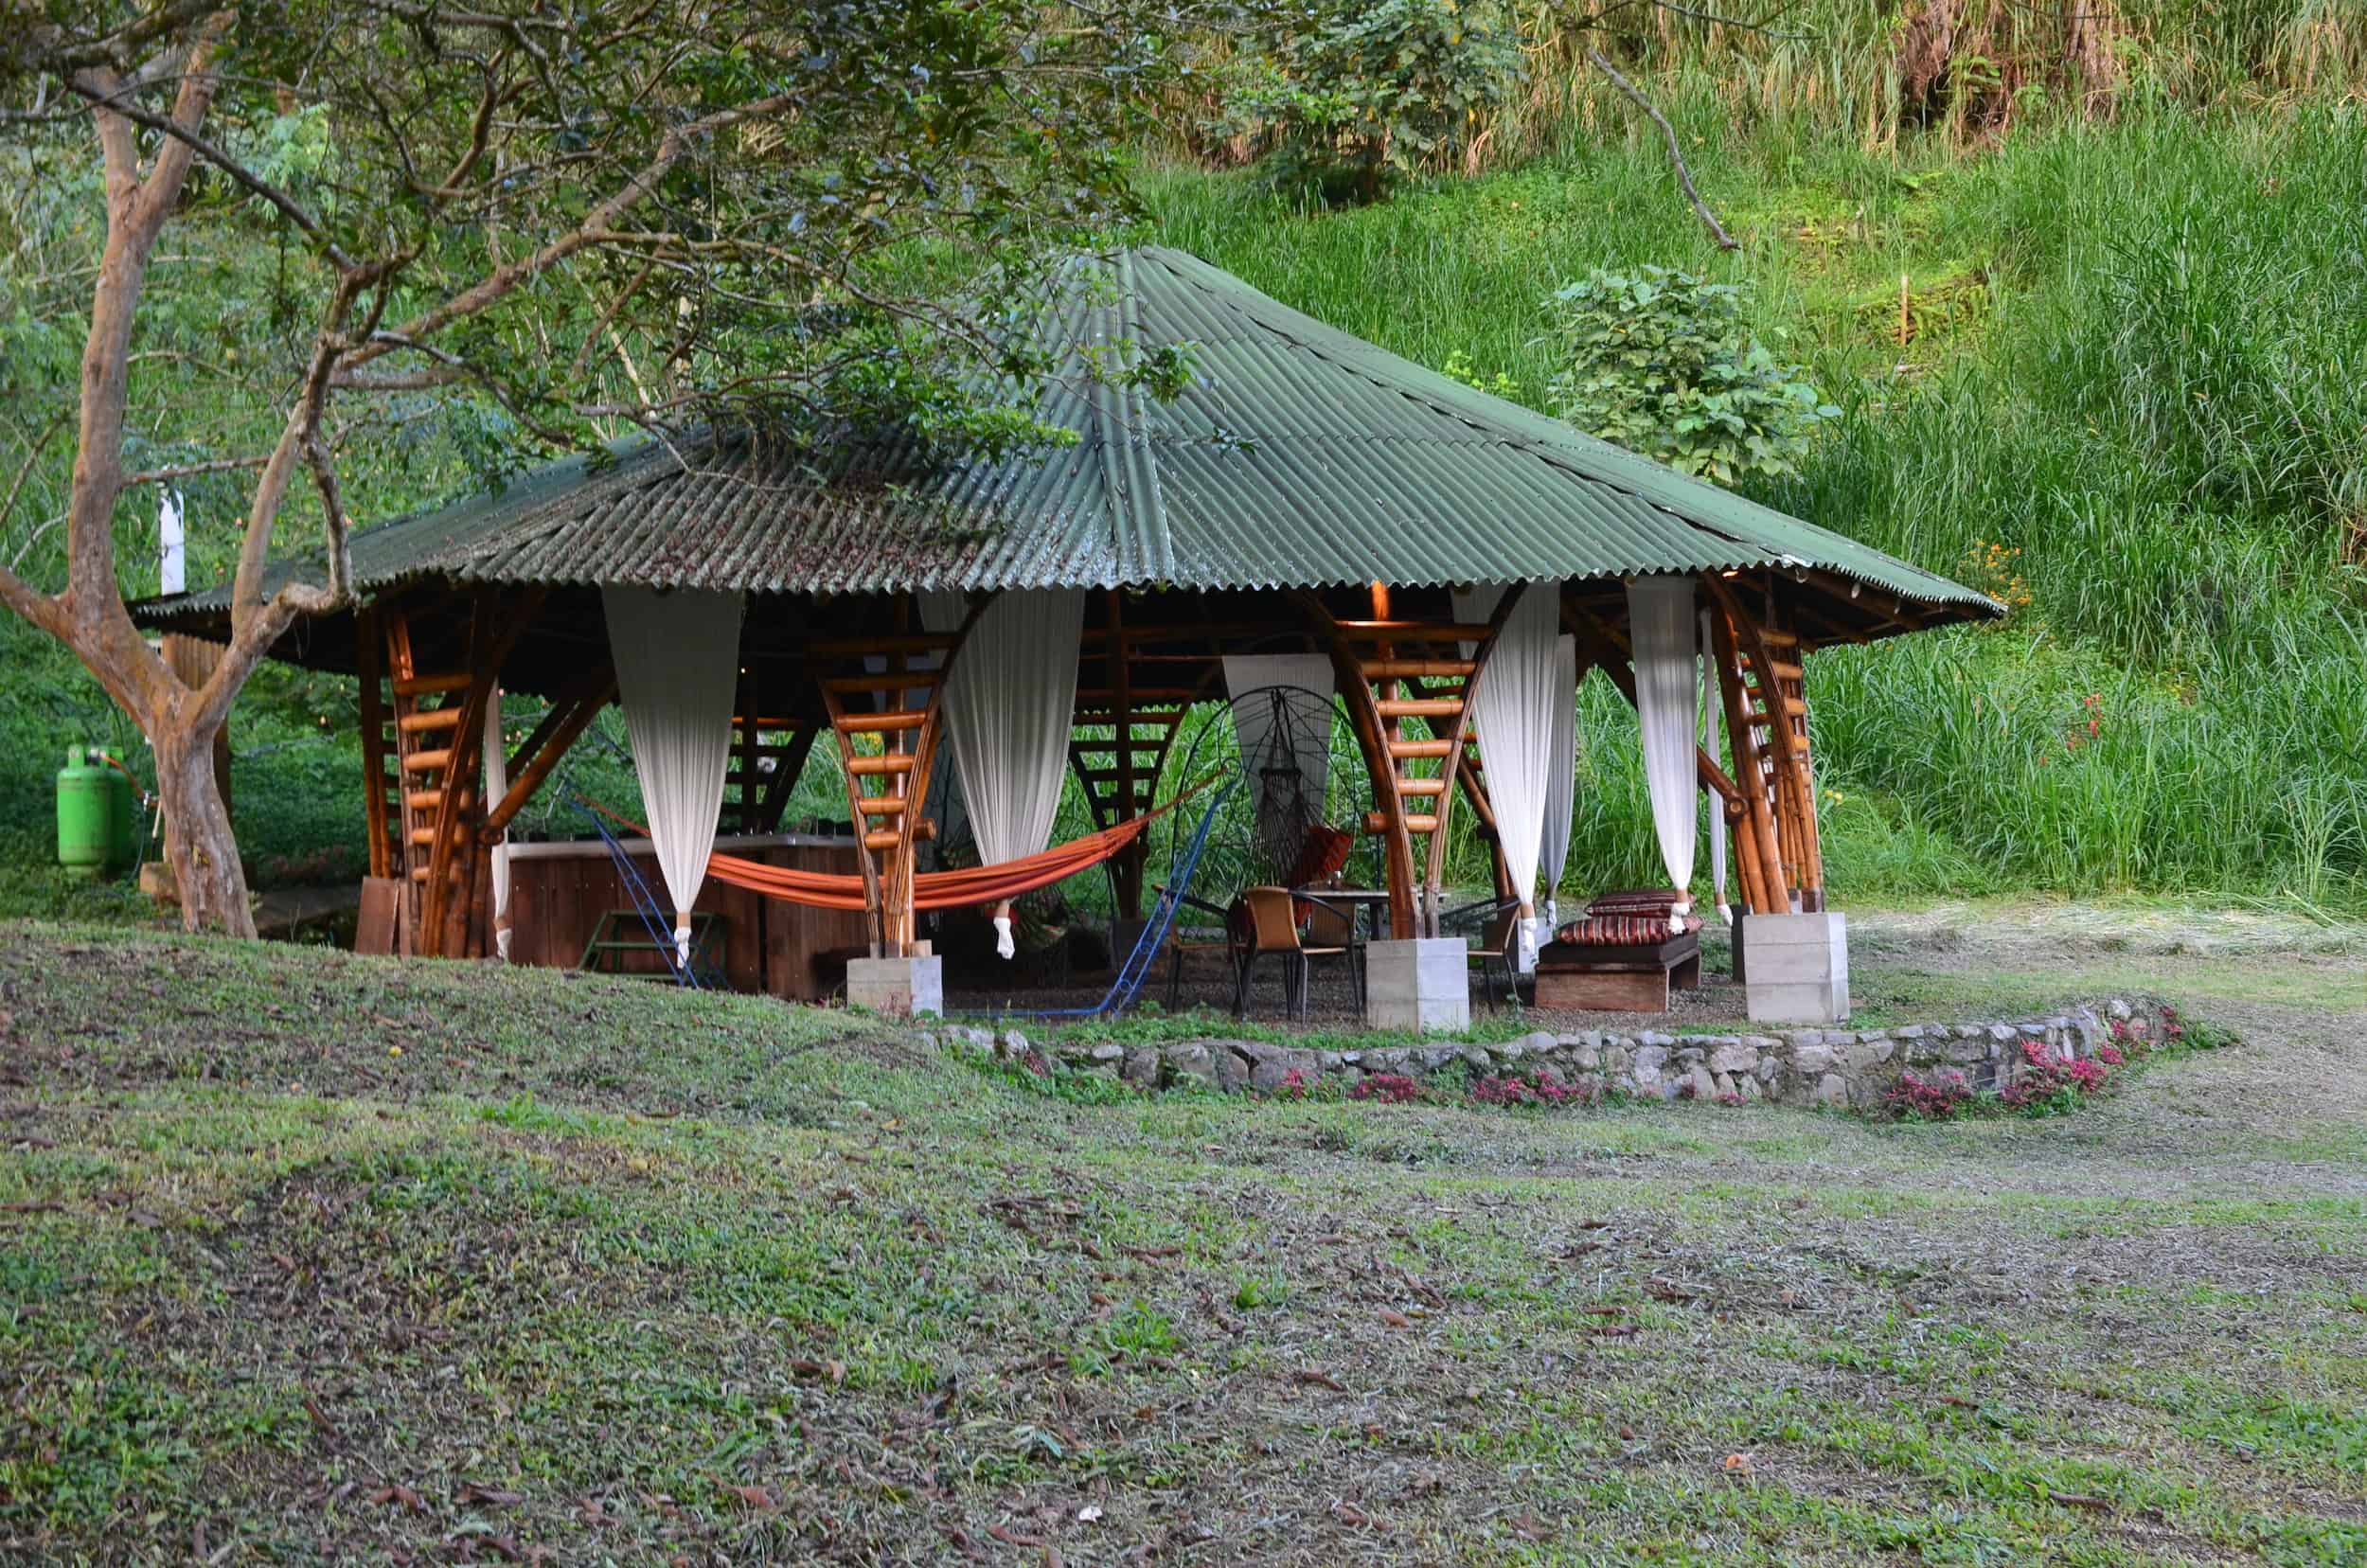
<point>884,839</point>
<point>894,762</point>
<point>883,805</point>
<point>1422,786</point>
<point>887,680</point>
<point>422,800</point>
<point>1779,639</point>
<point>427,761</point>
<point>1783,672</point>
<point>1411,631</point>
<point>430,718</point>
<point>872,723</point>
<point>1392,670</point>
<point>1376,822</point>
<point>1419,707</point>
<point>1102,698</point>
<point>422,685</point>
<point>1403,749</point>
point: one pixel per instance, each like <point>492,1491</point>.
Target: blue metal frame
<point>1131,975</point>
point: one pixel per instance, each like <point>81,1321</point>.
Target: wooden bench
<point>1617,979</point>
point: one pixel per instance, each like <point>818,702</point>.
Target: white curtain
<point>1662,632</point>
<point>1278,830</point>
<point>678,671</point>
<point>1513,708</point>
<point>1009,703</point>
<point>1712,699</point>
<point>1562,780</point>
<point>942,610</point>
<point>496,786</point>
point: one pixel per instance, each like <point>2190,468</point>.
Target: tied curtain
<point>1515,708</point>
<point>678,670</point>
<point>1286,806</point>
<point>1009,703</point>
<point>1561,782</point>
<point>1710,695</point>
<point>496,786</point>
<point>1662,632</point>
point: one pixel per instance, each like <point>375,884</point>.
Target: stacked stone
<point>1810,1067</point>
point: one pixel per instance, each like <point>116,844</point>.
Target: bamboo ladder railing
<point>887,723</point>
<point>1413,776</point>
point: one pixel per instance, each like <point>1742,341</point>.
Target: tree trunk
<point>198,841</point>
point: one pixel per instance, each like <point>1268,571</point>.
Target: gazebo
<point>1307,493</point>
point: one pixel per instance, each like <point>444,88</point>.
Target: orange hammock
<point>976,885</point>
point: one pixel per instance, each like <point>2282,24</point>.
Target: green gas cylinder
<point>93,814</point>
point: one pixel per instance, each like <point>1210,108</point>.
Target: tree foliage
<point>1666,365</point>
<point>526,225</point>
<point>1360,96</point>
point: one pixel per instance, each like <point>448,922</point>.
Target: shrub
<point>1663,364</point>
<point>1942,1098</point>
<point>2049,1085</point>
<point>1370,94</point>
<point>1388,1088</point>
<point>1533,1090</point>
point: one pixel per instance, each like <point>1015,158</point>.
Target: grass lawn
<point>305,1258</point>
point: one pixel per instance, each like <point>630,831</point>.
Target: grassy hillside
<point>305,1257</point>
<point>2131,400</point>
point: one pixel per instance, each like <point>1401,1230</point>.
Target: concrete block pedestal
<point>898,987</point>
<point>1799,968</point>
<point>1421,986</point>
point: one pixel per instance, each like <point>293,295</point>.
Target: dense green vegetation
<point>2131,400</point>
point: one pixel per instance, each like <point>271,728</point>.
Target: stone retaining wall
<point>1834,1067</point>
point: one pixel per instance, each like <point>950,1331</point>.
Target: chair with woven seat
<point>1271,919</point>
<point>1495,928</point>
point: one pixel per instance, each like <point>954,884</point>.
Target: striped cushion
<point>1641,900</point>
<point>1621,930</point>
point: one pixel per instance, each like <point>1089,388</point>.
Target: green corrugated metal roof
<point>1300,456</point>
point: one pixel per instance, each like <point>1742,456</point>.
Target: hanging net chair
<point>1292,819</point>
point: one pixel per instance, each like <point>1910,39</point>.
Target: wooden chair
<point>1274,931</point>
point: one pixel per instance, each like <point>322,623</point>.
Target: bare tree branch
<point>1676,153</point>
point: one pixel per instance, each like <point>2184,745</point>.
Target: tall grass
<point>2139,359</point>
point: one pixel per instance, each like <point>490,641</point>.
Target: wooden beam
<point>544,749</point>
<point>1434,874</point>
<point>366,654</point>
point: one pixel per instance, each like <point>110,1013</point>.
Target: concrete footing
<point>899,988</point>
<point>1799,968</point>
<point>1419,984</point>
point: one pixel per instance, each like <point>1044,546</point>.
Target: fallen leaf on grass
<point>1606,1310</point>
<point>1960,1404</point>
<point>1739,1463</point>
<point>499,1497</point>
<point>1152,1253</point>
<point>1615,1330</point>
<point>1668,1289</point>
<point>1395,1320</point>
<point>755,1497</point>
<point>2076,1500</point>
<point>1319,1380</point>
<point>1089,1514</point>
<point>398,1494</point>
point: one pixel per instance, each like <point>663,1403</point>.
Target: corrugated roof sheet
<point>1300,456</point>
